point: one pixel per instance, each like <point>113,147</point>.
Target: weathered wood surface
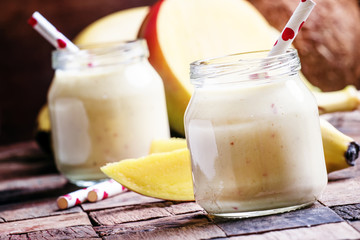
<point>30,184</point>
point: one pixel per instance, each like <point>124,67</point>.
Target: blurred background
<point>25,63</point>
<point>331,51</point>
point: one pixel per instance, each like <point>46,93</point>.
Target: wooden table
<point>30,184</point>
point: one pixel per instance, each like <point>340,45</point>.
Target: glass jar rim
<point>244,65</point>
<point>108,53</point>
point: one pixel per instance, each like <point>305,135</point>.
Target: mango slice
<point>159,175</point>
<point>167,145</point>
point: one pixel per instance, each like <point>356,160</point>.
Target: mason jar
<point>106,104</point>
<point>253,131</point>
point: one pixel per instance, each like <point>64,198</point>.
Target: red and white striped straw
<point>292,28</point>
<point>50,33</point>
<point>104,190</point>
<point>72,199</point>
<point>93,193</point>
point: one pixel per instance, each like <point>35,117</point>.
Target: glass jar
<point>106,103</point>
<point>253,132</point>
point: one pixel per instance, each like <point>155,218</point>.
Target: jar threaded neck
<point>251,66</point>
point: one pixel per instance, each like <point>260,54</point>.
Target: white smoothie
<point>255,147</point>
<point>105,114</point>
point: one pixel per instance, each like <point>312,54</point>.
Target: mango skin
<point>177,96</point>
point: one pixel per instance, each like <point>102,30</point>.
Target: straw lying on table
<point>104,190</point>
<point>94,193</point>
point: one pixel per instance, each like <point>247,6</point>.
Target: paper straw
<point>292,28</point>
<point>93,193</point>
<point>72,199</point>
<point>50,33</point>
<point>104,190</point>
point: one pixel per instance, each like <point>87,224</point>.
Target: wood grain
<point>130,214</point>
<point>82,232</point>
<point>332,231</point>
<point>346,122</point>
<point>185,207</point>
<point>348,212</point>
<point>190,232</point>
<point>185,226</point>
<point>304,217</point>
<point>342,192</point>
<point>20,150</point>
<point>24,188</point>
<point>142,212</point>
<point>123,199</point>
<point>355,224</point>
<point>45,223</point>
<point>33,209</point>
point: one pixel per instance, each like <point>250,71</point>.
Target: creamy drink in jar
<point>253,131</point>
<point>106,104</point>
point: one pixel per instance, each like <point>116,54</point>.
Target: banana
<point>347,99</point>
<point>43,121</point>
<point>341,151</point>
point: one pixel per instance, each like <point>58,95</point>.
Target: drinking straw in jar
<point>292,27</point>
<point>50,33</point>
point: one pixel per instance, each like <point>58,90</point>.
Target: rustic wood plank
<point>82,232</point>
<point>26,167</point>
<point>346,122</point>
<point>186,226</point>
<point>355,224</point>
<point>45,223</point>
<point>20,150</point>
<point>184,207</point>
<point>123,199</point>
<point>190,232</point>
<point>33,209</point>
<point>350,172</point>
<point>139,212</point>
<point>65,233</point>
<point>342,192</point>
<point>331,231</point>
<point>24,159</point>
<point>315,215</point>
<point>129,214</point>
<point>348,212</point>
<point>21,189</point>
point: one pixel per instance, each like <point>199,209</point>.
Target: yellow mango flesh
<point>159,175</point>
<point>167,145</point>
